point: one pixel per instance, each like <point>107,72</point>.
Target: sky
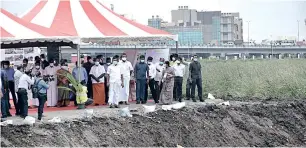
<point>269,19</point>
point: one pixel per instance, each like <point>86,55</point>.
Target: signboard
<point>157,54</point>
<point>16,55</point>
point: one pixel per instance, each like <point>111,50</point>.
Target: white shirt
<point>126,68</point>
<point>114,73</point>
<point>97,71</point>
<point>179,70</point>
<point>159,75</point>
<point>24,81</point>
<point>152,71</point>
<point>17,76</point>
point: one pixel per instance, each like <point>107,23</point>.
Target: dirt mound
<point>276,124</point>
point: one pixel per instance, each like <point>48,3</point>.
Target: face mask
<point>51,64</point>
<point>124,59</point>
<point>37,67</point>
<point>195,59</point>
<point>90,61</point>
<point>65,67</point>
<point>115,62</point>
<point>42,59</point>
<point>173,59</point>
<point>149,63</point>
<point>161,63</point>
<point>142,61</point>
<point>97,63</point>
<point>178,62</point>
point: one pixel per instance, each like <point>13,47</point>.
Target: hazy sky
<point>267,17</point>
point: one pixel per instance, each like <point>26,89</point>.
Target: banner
<point>157,54</point>
<point>16,55</point>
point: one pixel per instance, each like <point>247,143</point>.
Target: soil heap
<point>245,125</point>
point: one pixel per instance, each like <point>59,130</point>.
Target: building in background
<point>231,27</point>
<point>184,16</point>
<point>189,35</point>
<point>210,22</point>
<point>155,22</point>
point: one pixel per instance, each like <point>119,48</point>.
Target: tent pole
<point>79,63</point>
<point>176,46</point>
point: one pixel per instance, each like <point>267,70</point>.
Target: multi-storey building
<point>155,22</point>
<point>189,35</point>
<point>184,16</point>
<point>210,21</point>
<point>231,27</point>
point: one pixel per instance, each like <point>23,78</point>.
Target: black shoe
<point>144,102</point>
<point>120,102</point>
<point>201,100</point>
<point>137,102</point>
<point>180,100</point>
<point>188,99</point>
<point>116,106</point>
<point>3,119</point>
<point>126,103</point>
<point>9,115</point>
<point>111,106</point>
<point>194,100</point>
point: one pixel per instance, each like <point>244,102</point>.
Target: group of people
<point>111,82</point>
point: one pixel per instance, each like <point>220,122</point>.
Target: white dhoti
<point>125,91</point>
<point>52,94</point>
<point>114,93</point>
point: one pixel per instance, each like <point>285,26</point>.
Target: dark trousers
<point>23,102</point>
<point>157,90</point>
<point>177,90</point>
<point>42,98</point>
<point>140,90</point>
<point>106,90</point>
<point>153,90</point>
<point>11,85</point>
<point>4,105</point>
<point>89,88</point>
<point>196,82</point>
<point>188,88</point>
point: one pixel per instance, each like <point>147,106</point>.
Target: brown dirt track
<point>246,124</point>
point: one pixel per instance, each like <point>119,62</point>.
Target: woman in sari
<point>62,81</point>
<point>166,95</point>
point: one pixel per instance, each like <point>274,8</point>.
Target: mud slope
<point>280,124</point>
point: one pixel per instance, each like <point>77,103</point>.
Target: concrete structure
<point>211,22</point>
<point>184,16</point>
<point>203,51</point>
<point>231,27</point>
<point>155,22</point>
<point>190,35</point>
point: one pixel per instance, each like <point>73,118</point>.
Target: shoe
<point>3,119</point>
<point>96,104</point>
<point>120,102</point>
<point>9,115</point>
<point>144,102</point>
<point>126,103</point>
<point>201,100</point>
<point>180,100</point>
<point>116,106</point>
<point>188,99</point>
<point>194,100</point>
<point>137,102</point>
<point>111,106</point>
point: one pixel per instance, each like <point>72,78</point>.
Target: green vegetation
<point>255,79</point>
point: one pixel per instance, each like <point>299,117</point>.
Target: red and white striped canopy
<point>87,19</point>
<point>15,28</point>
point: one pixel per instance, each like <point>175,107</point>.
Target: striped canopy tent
<point>90,19</point>
<point>17,33</point>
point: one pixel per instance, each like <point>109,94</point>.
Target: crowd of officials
<point>109,81</point>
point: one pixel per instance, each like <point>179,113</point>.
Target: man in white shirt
<point>115,82</point>
<point>25,82</point>
<point>127,70</point>
<point>97,73</point>
<point>152,74</point>
<point>159,75</point>
<point>179,70</point>
<point>18,73</point>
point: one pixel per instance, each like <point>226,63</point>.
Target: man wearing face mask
<point>35,70</point>
<point>141,73</point>
<point>24,83</point>
<point>11,83</point>
<point>100,58</point>
<point>160,67</point>
<point>195,76</point>
<point>173,59</point>
<point>108,63</point>
<point>83,74</point>
<point>179,71</point>
<point>88,66</point>
<point>43,63</point>
<point>50,72</point>
<point>151,84</point>
<point>5,95</point>
<point>127,70</point>
<point>115,82</point>
<point>97,74</point>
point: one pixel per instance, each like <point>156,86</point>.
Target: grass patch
<point>262,79</point>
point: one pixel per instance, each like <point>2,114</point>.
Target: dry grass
<point>262,79</point>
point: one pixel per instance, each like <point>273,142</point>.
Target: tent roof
<point>88,19</point>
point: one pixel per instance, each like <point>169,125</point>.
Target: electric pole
<point>298,22</point>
